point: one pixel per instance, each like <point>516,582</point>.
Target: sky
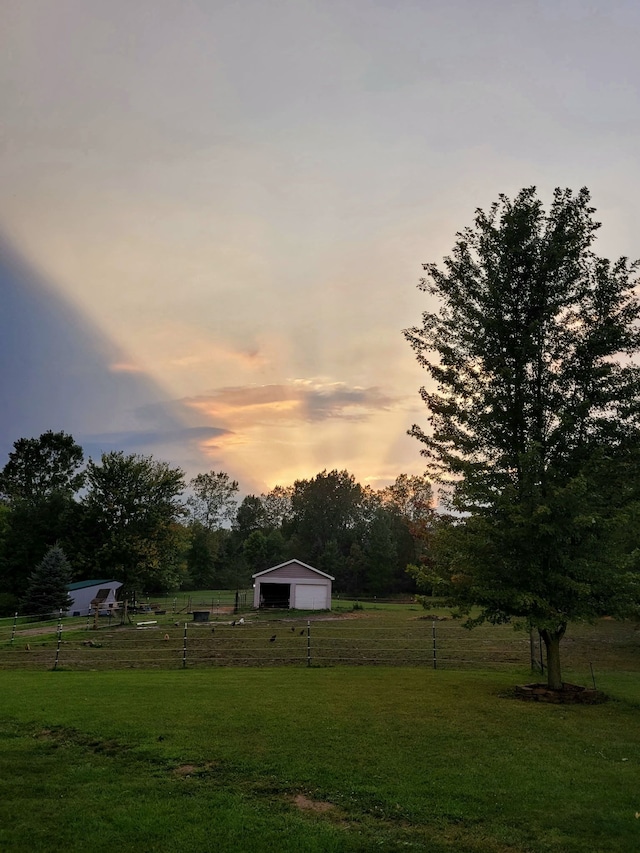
<point>214,214</point>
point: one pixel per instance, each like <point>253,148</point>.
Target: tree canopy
<point>534,414</point>
<point>133,504</point>
<point>138,521</point>
<point>40,467</point>
<point>213,501</point>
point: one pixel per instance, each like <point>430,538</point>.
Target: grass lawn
<point>321,759</point>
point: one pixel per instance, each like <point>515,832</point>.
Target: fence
<point>167,641</point>
<point>152,643</point>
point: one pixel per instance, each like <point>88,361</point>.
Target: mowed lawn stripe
<point>398,757</point>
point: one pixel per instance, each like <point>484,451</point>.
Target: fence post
<point>435,657</point>
<point>184,647</point>
<point>15,622</point>
<point>55,666</point>
<point>308,642</point>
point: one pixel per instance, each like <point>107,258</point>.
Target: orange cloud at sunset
<point>277,433</point>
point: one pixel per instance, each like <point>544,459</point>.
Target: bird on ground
<point>302,633</point>
<point>272,639</point>
<point>292,629</point>
<point>233,624</point>
<point>213,630</point>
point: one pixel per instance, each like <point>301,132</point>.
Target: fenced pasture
<point>379,635</point>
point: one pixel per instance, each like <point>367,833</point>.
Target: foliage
<point>39,481</point>
<point>250,516</point>
<point>410,496</point>
<point>132,505</point>
<point>277,506</point>
<point>363,537</point>
<point>47,590</point>
<point>213,502</point>
<point>201,556</point>
<point>264,549</point>
<point>535,413</point>
<point>40,467</point>
<point>325,509</point>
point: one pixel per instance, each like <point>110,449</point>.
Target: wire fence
<point>151,643</point>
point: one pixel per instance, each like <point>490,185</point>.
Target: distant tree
<point>47,592</point>
<point>8,598</point>
<point>202,557</point>
<point>380,552</point>
<point>40,467</point>
<point>39,483</point>
<point>263,550</point>
<point>355,570</point>
<point>132,505</point>
<point>277,506</point>
<point>409,501</point>
<point>213,501</point>
<point>332,561</point>
<point>325,508</point>
<point>250,516</point>
<point>411,496</point>
<point>534,415</point>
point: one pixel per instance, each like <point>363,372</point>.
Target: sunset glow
<point>217,213</point>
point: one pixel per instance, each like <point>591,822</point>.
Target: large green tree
<point>39,483</point>
<point>40,467</point>
<point>534,414</point>
<point>325,511</point>
<point>132,505</point>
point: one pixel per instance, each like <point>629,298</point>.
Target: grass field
<point>327,758</point>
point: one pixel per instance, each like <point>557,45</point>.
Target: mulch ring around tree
<point>568,694</point>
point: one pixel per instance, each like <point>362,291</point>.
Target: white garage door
<point>311,597</point>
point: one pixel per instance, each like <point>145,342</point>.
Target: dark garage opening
<point>275,595</point>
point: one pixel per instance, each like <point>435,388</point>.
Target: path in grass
<point>335,759</point>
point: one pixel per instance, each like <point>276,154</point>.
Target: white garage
<point>292,585</point>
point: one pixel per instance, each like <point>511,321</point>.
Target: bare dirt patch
<point>308,805</point>
<point>185,770</point>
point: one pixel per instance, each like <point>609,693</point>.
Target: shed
<point>293,585</point>
<point>85,593</point>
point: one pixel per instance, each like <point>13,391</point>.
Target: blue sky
<point>215,214</point>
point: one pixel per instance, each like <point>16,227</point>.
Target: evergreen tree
<point>47,590</point>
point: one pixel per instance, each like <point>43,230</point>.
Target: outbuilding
<point>293,585</point>
<point>87,595</point>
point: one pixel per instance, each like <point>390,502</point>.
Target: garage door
<point>311,597</point>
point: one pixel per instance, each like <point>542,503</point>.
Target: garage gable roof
<point>290,562</point>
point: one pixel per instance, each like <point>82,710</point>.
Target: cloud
<point>132,439</point>
<point>301,400</point>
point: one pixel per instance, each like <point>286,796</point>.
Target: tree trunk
<point>552,644</point>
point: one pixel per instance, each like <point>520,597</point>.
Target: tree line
<point>137,519</point>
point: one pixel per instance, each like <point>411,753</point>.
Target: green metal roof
<point>83,584</point>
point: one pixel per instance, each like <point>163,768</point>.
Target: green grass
<point>408,759</point>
